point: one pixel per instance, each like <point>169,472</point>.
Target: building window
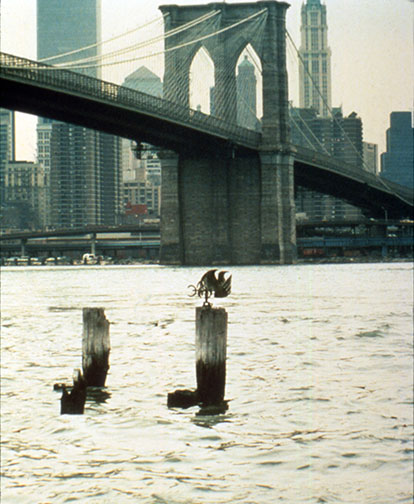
<point>314,39</point>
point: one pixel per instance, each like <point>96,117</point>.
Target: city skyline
<point>372,77</point>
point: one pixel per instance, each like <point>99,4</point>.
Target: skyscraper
<point>315,72</point>
<point>397,161</point>
<point>83,165</point>
<point>65,27</point>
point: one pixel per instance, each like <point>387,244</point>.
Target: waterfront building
<point>144,194</point>
<point>315,72</point>
<point>7,145</point>
<point>24,195</point>
<point>397,162</point>
<point>84,184</point>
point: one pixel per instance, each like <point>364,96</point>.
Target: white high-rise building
<point>315,72</point>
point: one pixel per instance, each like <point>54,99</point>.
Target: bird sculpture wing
<point>223,288</point>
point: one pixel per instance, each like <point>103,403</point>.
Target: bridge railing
<point>75,82</point>
<point>312,157</point>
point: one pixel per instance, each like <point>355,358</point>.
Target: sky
<point>371,42</point>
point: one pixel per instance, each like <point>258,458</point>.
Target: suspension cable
<point>98,44</point>
<point>139,45</point>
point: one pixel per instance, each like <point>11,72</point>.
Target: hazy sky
<point>371,43</point>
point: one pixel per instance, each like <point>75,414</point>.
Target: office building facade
<point>315,55</point>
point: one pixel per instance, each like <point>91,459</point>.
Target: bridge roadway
<point>35,88</point>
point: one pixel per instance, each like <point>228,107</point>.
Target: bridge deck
<point>32,87</point>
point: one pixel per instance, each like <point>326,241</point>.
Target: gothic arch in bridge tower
<point>201,81</point>
<point>249,89</point>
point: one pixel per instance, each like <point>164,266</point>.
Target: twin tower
<point>231,206</point>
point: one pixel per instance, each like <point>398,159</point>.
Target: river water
<point>319,379</point>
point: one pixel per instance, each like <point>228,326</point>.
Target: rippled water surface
<point>319,378</point>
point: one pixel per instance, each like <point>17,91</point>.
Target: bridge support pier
<point>278,223</point>
<point>227,210</point>
<point>171,251</point>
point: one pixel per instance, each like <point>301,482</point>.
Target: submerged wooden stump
<point>182,399</point>
<point>73,402</point>
<point>211,350</point>
<point>95,347</point>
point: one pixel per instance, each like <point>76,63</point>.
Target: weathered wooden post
<point>211,350</point>
<point>95,347</point>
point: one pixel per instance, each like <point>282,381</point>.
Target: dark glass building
<point>397,162</point>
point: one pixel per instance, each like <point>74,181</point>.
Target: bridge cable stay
<point>74,64</point>
<point>103,42</point>
<point>380,179</point>
<point>79,63</point>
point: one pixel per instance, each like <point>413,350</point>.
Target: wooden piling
<point>95,347</point>
<point>211,350</point>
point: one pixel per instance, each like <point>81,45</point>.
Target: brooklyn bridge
<point>227,191</point>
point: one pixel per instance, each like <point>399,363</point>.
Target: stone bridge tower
<point>234,207</point>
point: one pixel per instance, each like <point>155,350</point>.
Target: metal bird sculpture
<point>210,284</point>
